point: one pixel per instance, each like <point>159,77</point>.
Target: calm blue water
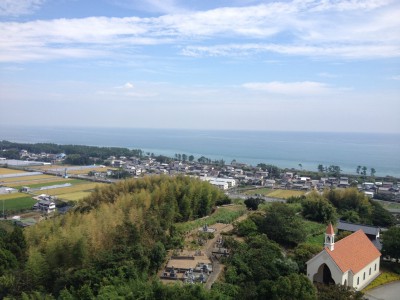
<point>284,149</point>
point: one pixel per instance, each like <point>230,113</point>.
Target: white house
<point>352,261</point>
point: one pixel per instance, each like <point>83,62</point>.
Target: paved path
<point>390,291</point>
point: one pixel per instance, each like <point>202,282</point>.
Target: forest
<point>80,154</point>
<point>113,243</point>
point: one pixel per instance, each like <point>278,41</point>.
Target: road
<point>390,291</point>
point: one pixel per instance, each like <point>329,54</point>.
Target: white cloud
<point>154,6</point>
<point>126,86</point>
<point>15,8</point>
<point>348,51</point>
<point>340,28</point>
<point>396,77</point>
<point>290,88</point>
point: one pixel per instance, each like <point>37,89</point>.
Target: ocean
<point>283,149</point>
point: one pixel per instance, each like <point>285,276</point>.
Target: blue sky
<point>302,65</point>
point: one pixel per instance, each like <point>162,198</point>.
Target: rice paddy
<point>5,171</point>
<point>18,202</point>
<point>283,194</point>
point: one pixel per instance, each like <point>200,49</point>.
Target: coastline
<point>283,149</point>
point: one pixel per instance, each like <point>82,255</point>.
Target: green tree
<point>37,270</point>
<point>338,291</point>
<point>373,171</point>
<point>191,158</point>
<point>16,244</point>
<point>8,261</point>
<point>282,225</point>
<point>380,216</point>
<point>321,168</point>
<point>364,171</point>
<point>342,235</point>
<point>334,170</point>
<point>304,252</point>
<point>350,216</point>
<point>252,203</point>
<point>295,286</point>
<point>391,242</point>
<point>246,227</point>
<point>157,256</point>
<point>358,169</point>
<point>317,208</point>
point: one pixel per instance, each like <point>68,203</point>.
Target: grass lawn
<point>315,233</point>
<point>389,205</point>
<point>382,279</point>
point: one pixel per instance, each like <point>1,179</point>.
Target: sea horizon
<point>285,149</point>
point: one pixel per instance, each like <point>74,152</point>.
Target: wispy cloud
<point>347,51</point>
<point>154,6</point>
<point>15,8</point>
<point>396,77</point>
<point>341,28</point>
<point>290,88</point>
<point>126,86</point>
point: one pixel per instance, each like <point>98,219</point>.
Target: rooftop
<point>371,230</point>
<point>354,252</point>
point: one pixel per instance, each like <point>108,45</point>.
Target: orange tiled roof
<point>329,229</point>
<point>354,252</point>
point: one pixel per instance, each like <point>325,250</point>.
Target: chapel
<point>353,261</point>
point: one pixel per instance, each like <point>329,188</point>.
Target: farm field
<point>76,196</point>
<point>4,171</point>
<point>261,191</point>
<point>74,193</point>
<point>75,170</point>
<point>85,171</point>
<point>12,180</point>
<point>284,194</point>
<point>11,196</point>
<point>16,202</point>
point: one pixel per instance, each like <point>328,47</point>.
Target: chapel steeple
<point>330,237</point>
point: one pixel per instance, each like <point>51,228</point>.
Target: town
<point>44,186</point>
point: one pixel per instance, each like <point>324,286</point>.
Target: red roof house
<point>352,261</point>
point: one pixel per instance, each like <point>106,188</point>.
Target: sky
<point>290,65</point>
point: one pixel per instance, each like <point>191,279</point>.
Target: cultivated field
<point>75,170</point>
<point>4,171</point>
<point>12,196</point>
<point>16,202</point>
<point>284,194</point>
<point>32,179</point>
<point>73,193</point>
